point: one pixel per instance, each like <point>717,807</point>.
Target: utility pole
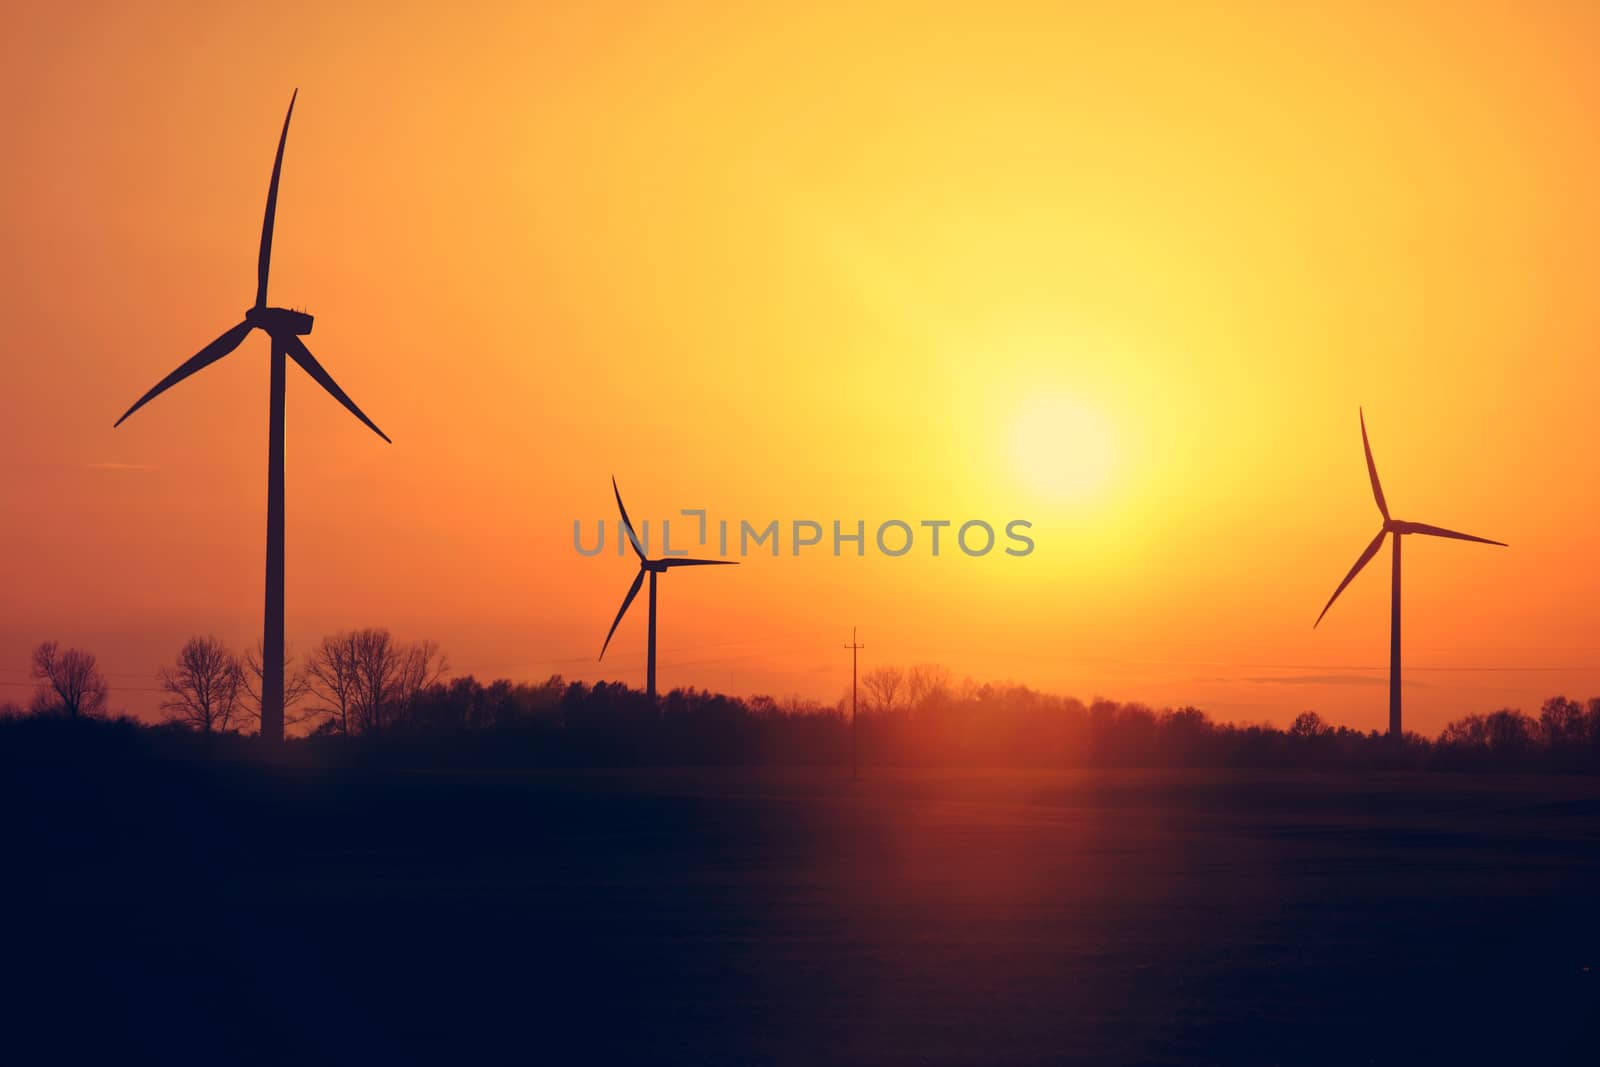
<point>854,647</point>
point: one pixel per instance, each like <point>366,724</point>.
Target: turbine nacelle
<point>279,322</point>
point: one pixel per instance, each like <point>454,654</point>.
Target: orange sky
<point>1124,273</point>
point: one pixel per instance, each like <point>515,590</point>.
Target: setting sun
<point>1061,447</point>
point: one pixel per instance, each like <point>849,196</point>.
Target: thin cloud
<point>119,467</point>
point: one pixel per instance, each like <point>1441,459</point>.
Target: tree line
<point>366,694</point>
<point>353,682</point>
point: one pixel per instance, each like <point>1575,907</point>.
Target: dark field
<point>180,912</point>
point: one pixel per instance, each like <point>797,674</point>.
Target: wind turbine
<point>284,327</point>
<point>1399,528</point>
<point>653,567</point>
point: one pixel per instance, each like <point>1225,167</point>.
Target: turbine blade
<point>201,359</point>
<point>1366,557</point>
<point>627,523</point>
<point>272,211</point>
<point>1372,468</point>
<point>676,562</point>
<point>1440,531</point>
<point>302,355</point>
<point>633,591</point>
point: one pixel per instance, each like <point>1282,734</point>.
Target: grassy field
<point>792,916</point>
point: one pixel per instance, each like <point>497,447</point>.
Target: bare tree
<point>69,682</point>
<point>368,681</point>
<point>295,688</point>
<point>331,678</point>
<point>392,674</point>
<point>925,682</point>
<point>884,685</point>
<point>1562,722</point>
<point>1309,724</point>
<point>204,689</point>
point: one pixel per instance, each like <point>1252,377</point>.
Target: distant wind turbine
<point>1398,528</point>
<point>652,567</point>
<point>284,327</point>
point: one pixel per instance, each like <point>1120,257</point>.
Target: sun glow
<point>1062,447</point>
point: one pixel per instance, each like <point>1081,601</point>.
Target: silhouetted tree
<point>883,686</point>
<point>1309,724</point>
<point>392,674</point>
<point>332,677</point>
<point>1592,723</point>
<point>295,688</point>
<point>1185,736</point>
<point>1564,723</point>
<point>1470,732</point>
<point>926,682</point>
<point>1511,733</point>
<point>368,681</point>
<point>69,682</point>
<point>204,688</point>
<point>1505,738</point>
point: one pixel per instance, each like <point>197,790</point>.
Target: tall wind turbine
<point>1399,528</point>
<point>653,567</point>
<point>285,328</point>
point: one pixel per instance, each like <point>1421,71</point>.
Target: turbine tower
<point>1399,528</point>
<point>653,567</point>
<point>285,328</point>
